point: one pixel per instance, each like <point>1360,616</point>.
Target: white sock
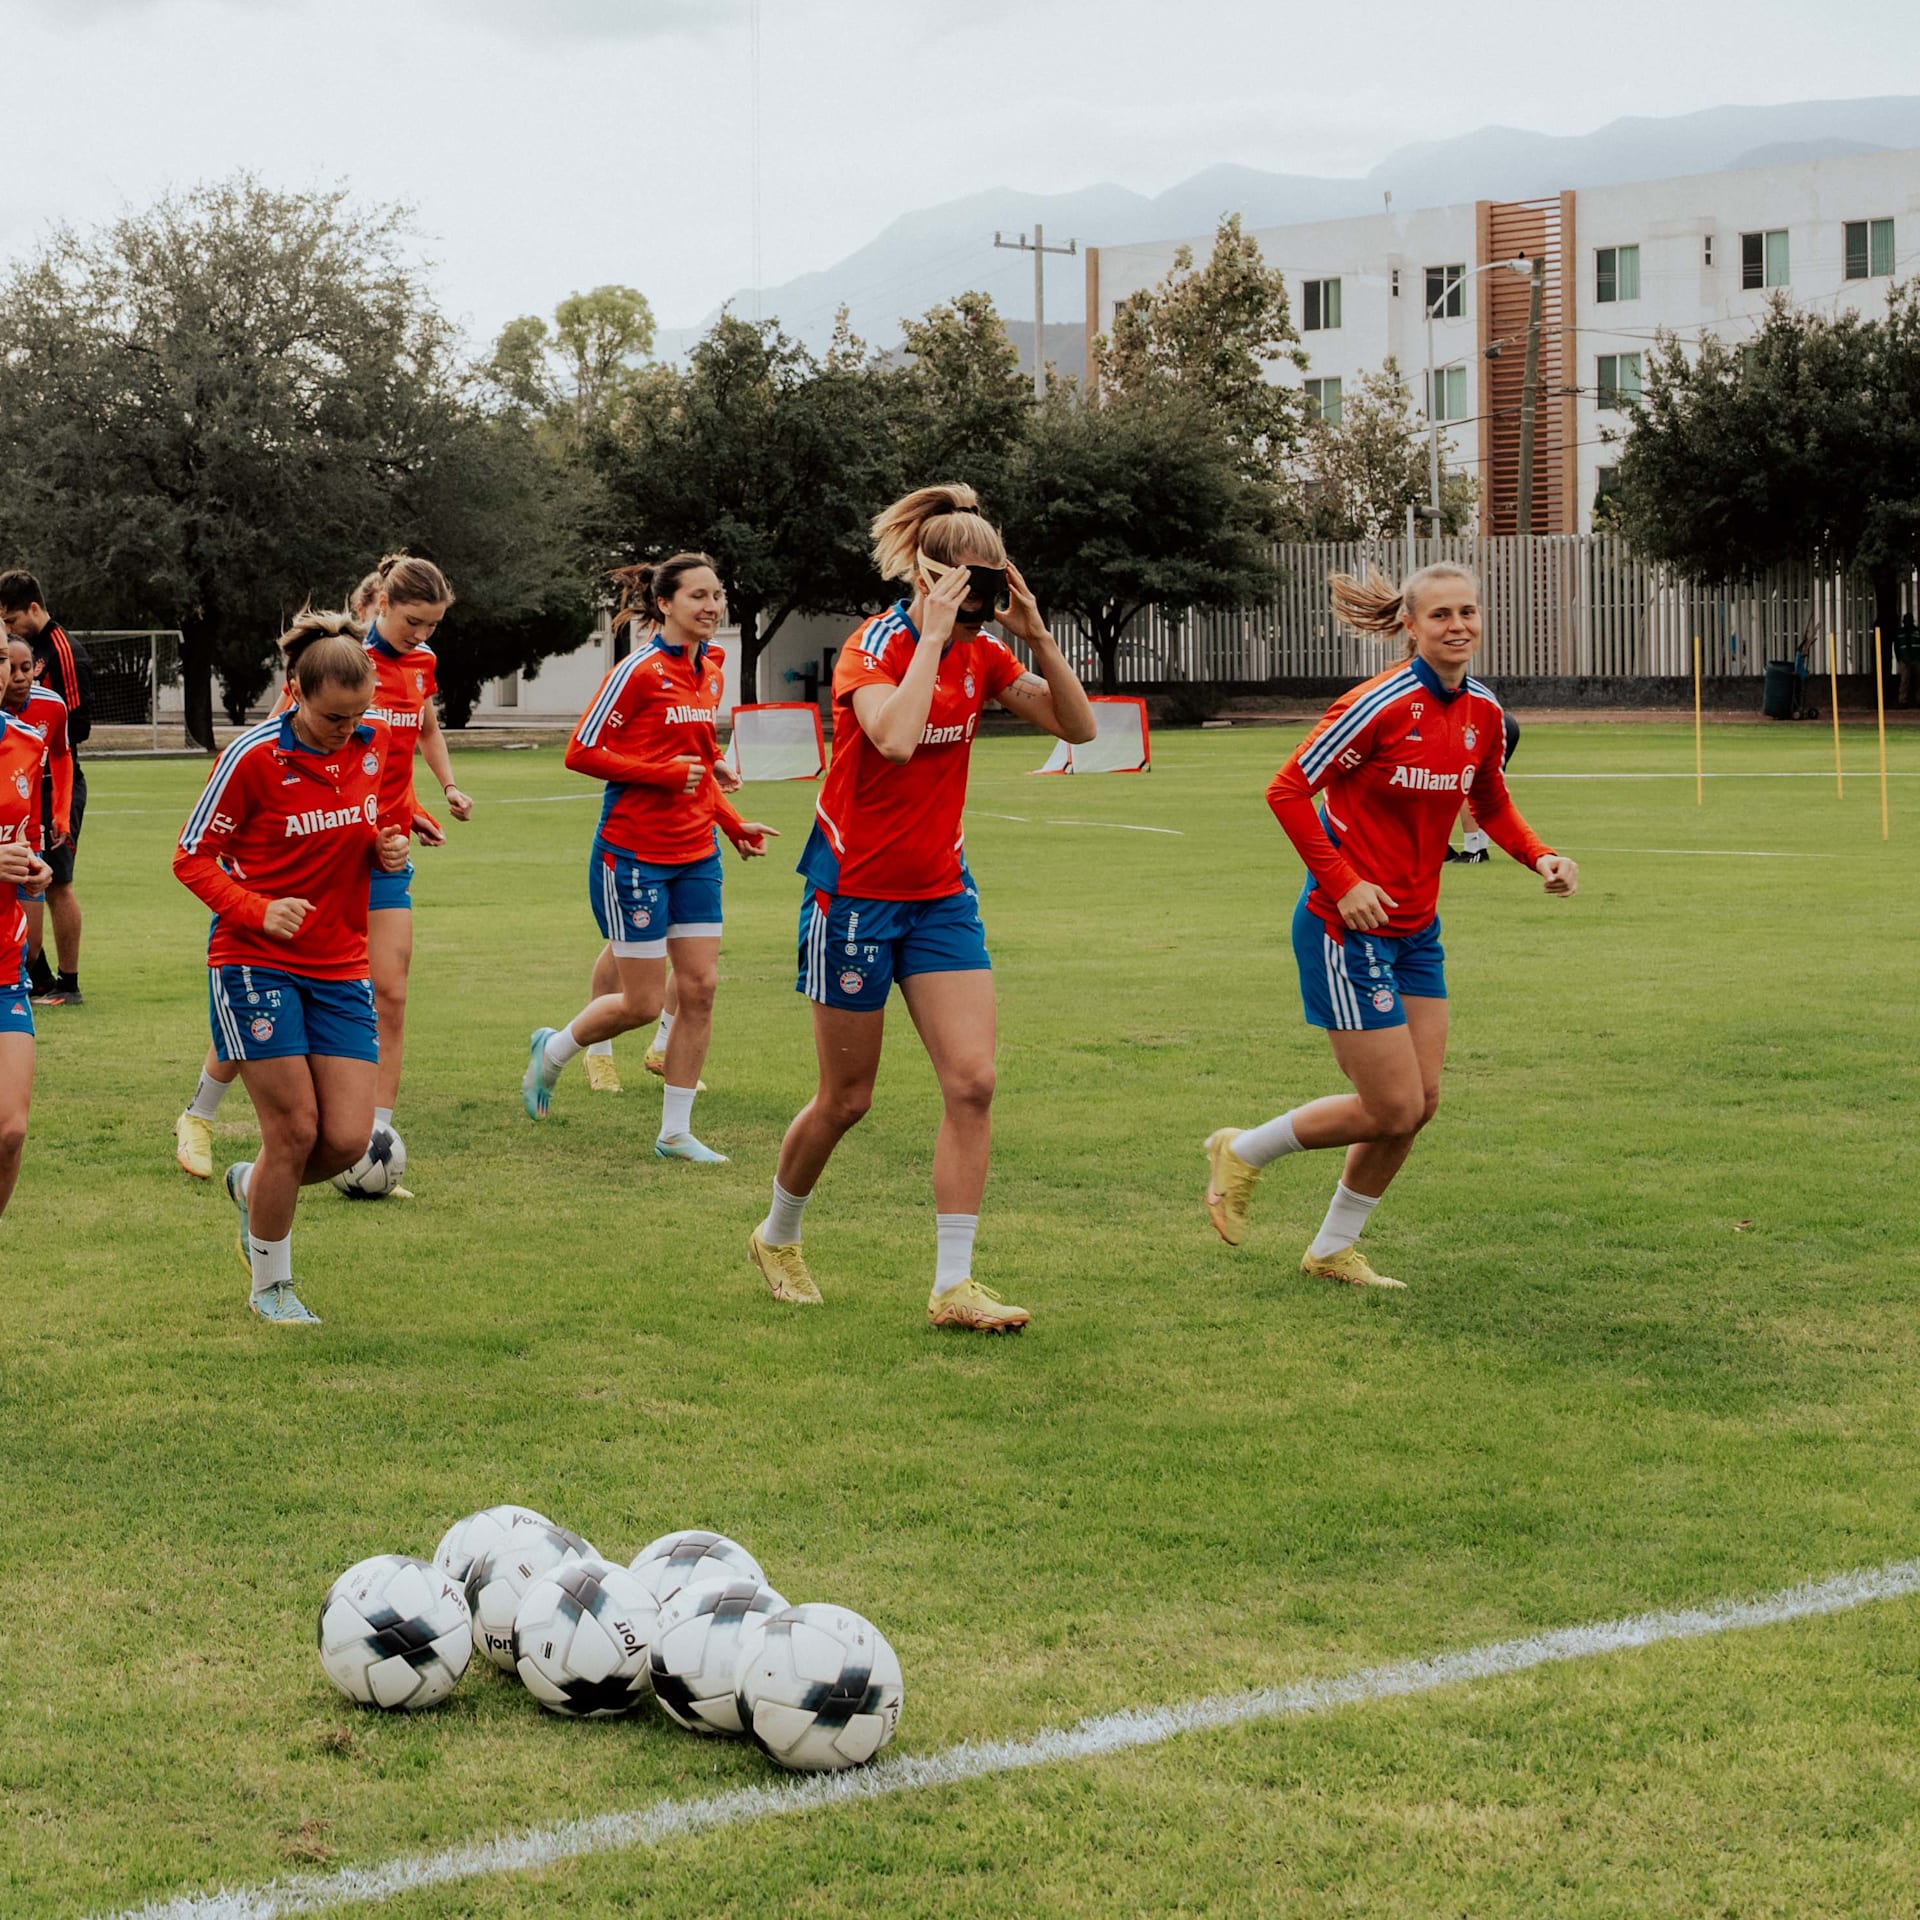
<point>271,1260</point>
<point>781,1227</point>
<point>1345,1219</point>
<point>953,1261</point>
<point>560,1048</point>
<point>1257,1145</point>
<point>676,1111</point>
<point>207,1096</point>
<point>660,1034</point>
<point>383,1117</point>
<point>600,1050</point>
<point>1473,841</point>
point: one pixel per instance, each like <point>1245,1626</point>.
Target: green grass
<point>1659,1346</point>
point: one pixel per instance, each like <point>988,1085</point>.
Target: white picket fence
<point>1575,606</point>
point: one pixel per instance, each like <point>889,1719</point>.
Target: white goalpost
<point>1122,744</point>
<point>136,677</point>
<point>779,740</point>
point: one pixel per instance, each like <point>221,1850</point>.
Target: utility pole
<point>1530,394</point>
<point>1039,249</point>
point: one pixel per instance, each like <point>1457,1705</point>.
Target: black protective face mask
<point>988,593</point>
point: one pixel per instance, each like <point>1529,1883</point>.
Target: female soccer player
<point>888,894</point>
<point>654,874</point>
<point>23,757</point>
<point>280,847</point>
<point>1393,758</point>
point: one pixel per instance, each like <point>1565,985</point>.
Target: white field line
<point>1116,826</point>
<point>1111,1733</point>
<point>1825,773</point>
<point>1710,853</point>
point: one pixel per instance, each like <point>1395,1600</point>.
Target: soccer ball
<point>395,1633</point>
<point>377,1172</point>
<point>466,1540</point>
<point>696,1650</point>
<point>581,1639</point>
<point>818,1689</point>
<point>499,1579</point>
<point>677,1560</point>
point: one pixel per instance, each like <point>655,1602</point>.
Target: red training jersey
<point>280,820</point>
<point>404,685</point>
<point>654,709</point>
<point>1393,758</point>
<point>47,713</point>
<point>23,757</point>
<point>890,830</point>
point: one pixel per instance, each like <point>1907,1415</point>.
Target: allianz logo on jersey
<point>693,716</point>
<point>325,819</point>
<point>950,736</point>
<point>1425,780</point>
<point>392,718</point>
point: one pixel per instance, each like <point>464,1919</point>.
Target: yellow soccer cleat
<point>193,1145</point>
<point>1349,1266</point>
<point>976,1308</point>
<point>785,1272</point>
<point>656,1064</point>
<point>1230,1184</point>
<point>601,1075</point>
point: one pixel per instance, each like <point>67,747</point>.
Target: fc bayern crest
<point>20,785</point>
<point>370,763</point>
<point>419,683</point>
<point>969,686</point>
<point>1382,1000</point>
<point>260,1027</point>
<point>851,982</point>
<point>1471,738</point>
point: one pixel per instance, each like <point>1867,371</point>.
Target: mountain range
<point>925,257</point>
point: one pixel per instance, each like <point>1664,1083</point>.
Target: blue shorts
<point>259,1013</point>
<point>853,950</point>
<point>387,890</point>
<point>1354,982</point>
<point>641,906</point>
<point>16,1008</point>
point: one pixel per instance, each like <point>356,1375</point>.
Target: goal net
<point>780,741</point>
<point>136,680</point>
<point>1120,746</point>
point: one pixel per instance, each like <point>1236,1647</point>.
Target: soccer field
<point>1658,1349</point>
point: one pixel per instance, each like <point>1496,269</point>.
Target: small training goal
<point>778,741</point>
<point>1120,746</point>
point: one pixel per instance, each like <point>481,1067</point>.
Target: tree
<point>1803,440</point>
<point>1361,473</point>
<point>197,403</point>
<point>582,370</point>
<point>1136,503</point>
<point>1216,335</point>
<point>965,401</point>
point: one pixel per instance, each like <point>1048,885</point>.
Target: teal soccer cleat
<point>536,1095</point>
<point>683,1146</point>
<point>283,1307</point>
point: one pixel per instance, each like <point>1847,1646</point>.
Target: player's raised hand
<point>17,862</point>
<point>392,850</point>
<point>1561,874</point>
<point>284,917</point>
<point>1022,617</point>
<point>428,832</point>
<point>1365,908</point>
<point>751,841</point>
<point>39,875</point>
<point>725,778</point>
<point>943,605</point>
<point>696,772</point>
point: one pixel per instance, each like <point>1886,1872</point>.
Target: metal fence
<point>1574,606</point>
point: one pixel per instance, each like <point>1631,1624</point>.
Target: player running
<point>888,895</point>
<point>654,874</point>
<point>23,873</point>
<point>42,709</point>
<point>280,846</point>
<point>1392,759</point>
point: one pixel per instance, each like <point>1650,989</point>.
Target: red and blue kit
<point>279,820</point>
<point>889,894</point>
<point>654,874</point>
<point>47,713</point>
<point>403,685</point>
<point>23,755</point>
<point>1389,764</point>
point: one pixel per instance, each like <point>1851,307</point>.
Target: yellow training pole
<point>1699,779</point>
<point>1833,680</point>
<point>1880,707</point>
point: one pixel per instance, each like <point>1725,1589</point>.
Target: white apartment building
<point>1691,255</point>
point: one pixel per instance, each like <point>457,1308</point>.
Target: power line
<point>1039,249</point>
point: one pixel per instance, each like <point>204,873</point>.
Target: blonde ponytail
<point>944,523</point>
<point>1376,605</point>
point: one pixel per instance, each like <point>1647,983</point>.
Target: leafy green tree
<point>1359,475</point>
<point>1804,439</point>
<point>581,371</point>
<point>965,403</point>
<point>1137,503</point>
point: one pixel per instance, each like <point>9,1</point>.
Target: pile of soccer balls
<point>692,1622</point>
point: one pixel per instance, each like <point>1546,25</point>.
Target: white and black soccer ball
<point>395,1633</point>
<point>818,1689</point>
<point>377,1172</point>
<point>466,1540</point>
<point>678,1560</point>
<point>696,1650</point>
<point>497,1582</point>
<point>581,1639</point>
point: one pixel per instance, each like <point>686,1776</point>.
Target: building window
<point>1448,400</point>
<point>1395,281</point>
<point>1323,306</point>
<point>1706,251</point>
<point>1619,381</point>
<point>1763,259</point>
<point>1869,249</point>
<point>1323,401</point>
<point>1616,274</point>
<point>1447,292</point>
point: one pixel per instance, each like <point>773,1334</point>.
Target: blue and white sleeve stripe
<point>595,722</point>
<point>201,818</point>
<point>1317,755</point>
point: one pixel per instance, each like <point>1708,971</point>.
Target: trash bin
<point>1776,695</point>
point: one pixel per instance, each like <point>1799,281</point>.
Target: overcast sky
<point>549,145</point>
